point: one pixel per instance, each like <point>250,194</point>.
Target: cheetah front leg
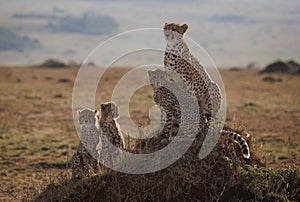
<point>78,165</point>
<point>211,101</point>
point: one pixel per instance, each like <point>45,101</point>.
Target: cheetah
<point>82,163</point>
<point>239,140</point>
<point>169,104</point>
<point>183,67</point>
<point>182,124</point>
<point>110,129</point>
<point>86,155</point>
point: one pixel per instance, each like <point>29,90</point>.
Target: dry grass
<point>37,135</point>
<point>269,110</point>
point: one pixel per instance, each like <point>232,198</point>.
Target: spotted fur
<point>183,67</point>
<point>168,103</point>
<point>84,161</point>
<point>238,139</point>
<point>110,129</point>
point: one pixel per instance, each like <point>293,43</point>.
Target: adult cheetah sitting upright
<point>183,67</point>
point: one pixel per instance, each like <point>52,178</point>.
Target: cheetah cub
<point>168,103</point>
<point>86,155</point>
<point>110,130</point>
<point>170,107</point>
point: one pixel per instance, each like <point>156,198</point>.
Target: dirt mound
<point>224,175</point>
<point>51,63</point>
<point>221,176</point>
<point>290,67</point>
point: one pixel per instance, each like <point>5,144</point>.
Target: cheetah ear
<point>183,28</point>
<point>165,26</point>
<point>151,76</point>
<point>114,111</point>
<point>78,112</point>
<point>102,107</point>
<point>97,115</point>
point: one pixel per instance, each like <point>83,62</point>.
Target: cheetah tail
<point>238,139</point>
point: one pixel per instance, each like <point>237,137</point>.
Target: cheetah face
<point>109,110</point>
<point>174,31</point>
<point>156,77</point>
<point>86,116</point>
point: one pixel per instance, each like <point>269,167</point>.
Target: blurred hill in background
<point>290,67</point>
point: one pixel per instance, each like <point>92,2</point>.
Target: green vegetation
<point>266,184</point>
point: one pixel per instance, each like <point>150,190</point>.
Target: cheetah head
<point>156,77</point>
<point>109,110</point>
<point>86,116</point>
<point>174,31</point>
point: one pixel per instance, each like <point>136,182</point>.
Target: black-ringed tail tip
<point>240,140</point>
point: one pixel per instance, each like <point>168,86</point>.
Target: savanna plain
<point>38,137</point>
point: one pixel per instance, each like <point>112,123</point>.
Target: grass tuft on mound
<point>224,175</point>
